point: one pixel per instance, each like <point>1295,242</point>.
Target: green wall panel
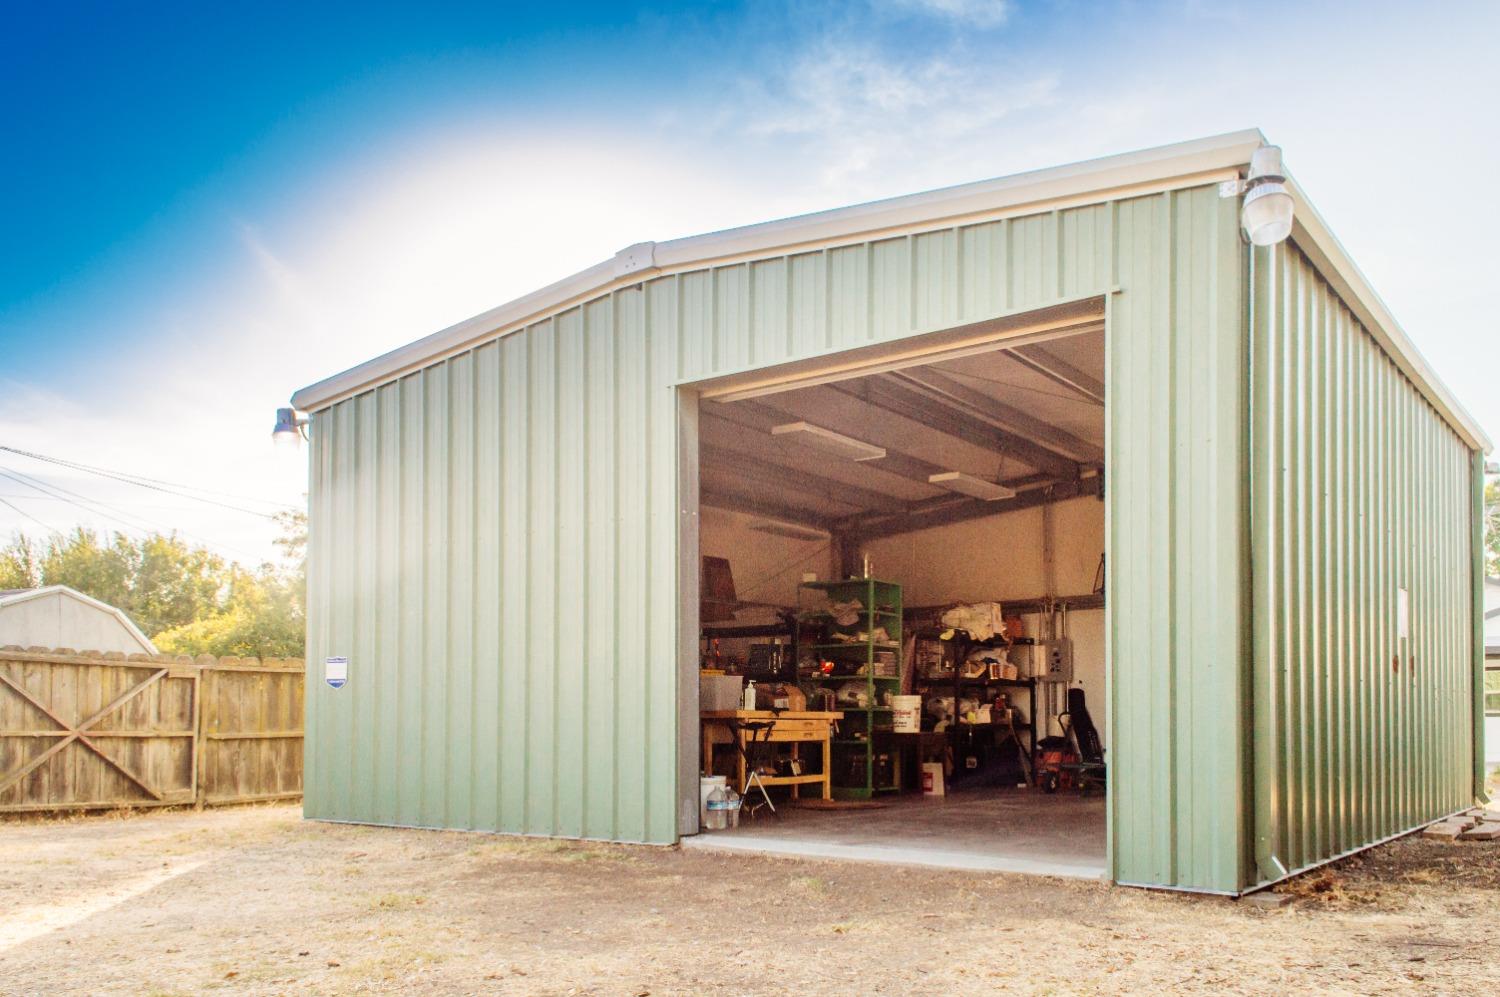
<point>1360,490</point>
<point>1176,529</point>
<point>495,544</point>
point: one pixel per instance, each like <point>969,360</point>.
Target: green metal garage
<point>507,516</point>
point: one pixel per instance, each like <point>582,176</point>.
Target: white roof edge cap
<point>1316,240</point>
<point>27,594</point>
<point>1154,165</point>
<point>647,258</point>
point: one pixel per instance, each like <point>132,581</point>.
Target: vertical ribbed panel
<point>1359,489</point>
<point>495,538</point>
<point>1176,524</point>
<point>490,551</point>
<point>495,545</point>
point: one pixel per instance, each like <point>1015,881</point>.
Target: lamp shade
<point>288,431</point>
<point>1267,214</point>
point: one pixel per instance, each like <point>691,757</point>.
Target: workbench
<point>795,726</point>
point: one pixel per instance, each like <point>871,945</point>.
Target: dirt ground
<point>258,901</point>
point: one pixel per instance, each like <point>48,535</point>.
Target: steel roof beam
<point>967,509</point>
<point>761,417</point>
<point>737,502</point>
<point>944,387</point>
<point>896,398</point>
<point>782,477</point>
<point>1090,389</point>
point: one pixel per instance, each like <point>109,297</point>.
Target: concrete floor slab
<point>1001,830</point>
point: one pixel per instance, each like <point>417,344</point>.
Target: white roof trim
<point>1313,237</point>
<point>115,611</point>
<point>1163,168</point>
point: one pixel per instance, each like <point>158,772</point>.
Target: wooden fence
<point>88,731</point>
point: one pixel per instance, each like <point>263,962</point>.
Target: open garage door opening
<point>906,560</point>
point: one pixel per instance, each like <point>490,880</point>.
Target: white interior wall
<point>996,558</point>
<point>766,568</point>
<point>1000,558</point>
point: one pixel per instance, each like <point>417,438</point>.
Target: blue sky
<point>209,207</point>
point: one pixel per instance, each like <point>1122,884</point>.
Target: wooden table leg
<point>708,747</point>
<point>827,767</point>
<point>739,761</point>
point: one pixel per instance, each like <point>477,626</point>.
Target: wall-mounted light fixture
<point>1266,215</point>
<point>291,427</point>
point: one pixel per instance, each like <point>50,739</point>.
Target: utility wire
<point>95,469</point>
<point>87,505</point>
<point>97,508</point>
<point>169,488</point>
<point>23,512</point>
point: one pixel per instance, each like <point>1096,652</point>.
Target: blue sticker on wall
<point>336,671</point>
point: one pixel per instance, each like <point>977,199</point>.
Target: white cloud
<point>852,107</point>
<point>981,14</point>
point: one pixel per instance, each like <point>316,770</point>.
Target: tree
<point>18,564</point>
<point>98,568</point>
<point>263,617</point>
<point>263,613</point>
<point>1492,528</point>
<point>188,598</point>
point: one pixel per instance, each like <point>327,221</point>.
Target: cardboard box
<point>721,692</point>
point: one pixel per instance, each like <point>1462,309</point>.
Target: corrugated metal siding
<point>1359,488</point>
<point>495,538</point>
<point>1176,527</point>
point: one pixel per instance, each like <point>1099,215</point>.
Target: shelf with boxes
<point>849,652</point>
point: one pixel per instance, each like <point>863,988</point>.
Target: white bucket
<point>707,784</point>
<point>906,714</point>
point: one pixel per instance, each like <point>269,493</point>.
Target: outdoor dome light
<point>290,428</point>
<point>1267,212</point>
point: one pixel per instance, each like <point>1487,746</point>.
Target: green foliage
<point>190,599</point>
<point>18,564</point>
<point>263,617</point>
<point>1492,528</point>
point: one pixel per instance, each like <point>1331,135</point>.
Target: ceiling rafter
<point>873,528</point>
<point>761,418</point>
<point>895,397</point>
<point>939,385</point>
<point>795,479</point>
<point>721,498</point>
<point>1059,371</point>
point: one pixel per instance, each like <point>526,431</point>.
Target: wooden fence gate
<point>86,731</point>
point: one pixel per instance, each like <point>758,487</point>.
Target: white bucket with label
<point>906,714</point>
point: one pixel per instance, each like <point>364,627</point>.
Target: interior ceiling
<point>1029,417</point>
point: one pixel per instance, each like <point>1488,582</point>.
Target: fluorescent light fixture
<point>828,441</point>
<point>788,530</point>
<point>967,484</point>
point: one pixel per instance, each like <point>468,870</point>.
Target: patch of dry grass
<point>284,906</point>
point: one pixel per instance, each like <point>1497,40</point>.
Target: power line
<point>93,468</point>
<point>91,507</point>
<point>154,484</point>
<point>23,512</point>
<point>97,508</point>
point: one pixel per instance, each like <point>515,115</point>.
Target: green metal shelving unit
<point>865,733</point>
